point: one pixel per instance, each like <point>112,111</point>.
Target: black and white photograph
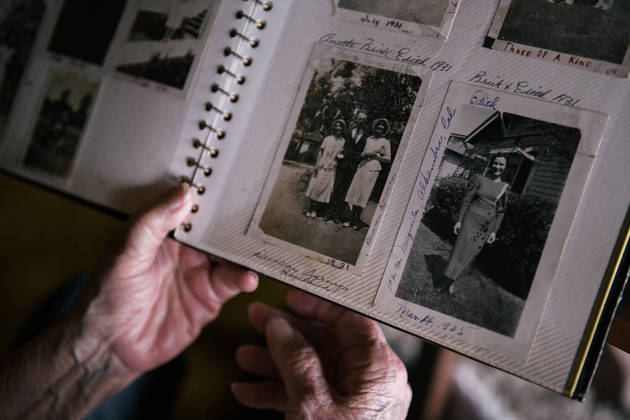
<point>19,21</point>
<point>342,144</point>
<point>85,29</point>
<point>486,224</point>
<point>164,40</point>
<point>60,124</point>
<point>588,34</point>
<point>431,18</point>
<point>487,217</point>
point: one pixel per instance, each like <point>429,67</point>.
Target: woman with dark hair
<point>479,218</point>
<point>322,181</point>
<point>377,150</point>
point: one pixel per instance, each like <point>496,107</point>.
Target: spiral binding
<point>209,107</point>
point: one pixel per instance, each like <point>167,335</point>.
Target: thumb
<point>296,360</point>
<point>149,229</point>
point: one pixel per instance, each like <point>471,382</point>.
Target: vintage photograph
<point>487,216</point>
<point>350,125</point>
<point>19,21</point>
<point>58,129</point>
<point>85,29</point>
<point>425,17</point>
<point>164,40</point>
<point>589,34</point>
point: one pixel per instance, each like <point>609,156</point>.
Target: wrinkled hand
<point>154,294</point>
<point>457,228</point>
<point>339,366</point>
<point>492,237</point>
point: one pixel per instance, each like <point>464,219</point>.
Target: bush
<point>512,260</point>
<point>443,205</point>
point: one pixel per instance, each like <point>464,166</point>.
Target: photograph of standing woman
<point>478,221</point>
<point>322,181</point>
<point>377,151</point>
<point>487,216</point>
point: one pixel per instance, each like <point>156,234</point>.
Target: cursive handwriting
<point>408,241</point>
<point>405,312</point>
<point>522,87</point>
<point>402,55</point>
<point>425,177</point>
<point>480,98</point>
<point>310,276</point>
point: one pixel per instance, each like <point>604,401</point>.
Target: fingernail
<point>280,328</point>
<point>179,197</point>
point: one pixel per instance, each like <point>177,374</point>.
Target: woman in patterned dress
<point>479,219</point>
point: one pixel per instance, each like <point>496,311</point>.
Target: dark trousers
<point>343,179</point>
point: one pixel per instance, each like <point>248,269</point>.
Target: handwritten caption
<point>311,276</point>
<point>404,312</point>
<point>556,57</point>
<point>425,178</point>
<point>521,87</point>
<point>403,55</point>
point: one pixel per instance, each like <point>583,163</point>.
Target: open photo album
<point>455,169</point>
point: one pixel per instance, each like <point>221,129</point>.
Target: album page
<point>399,163</point>
<point>102,119</point>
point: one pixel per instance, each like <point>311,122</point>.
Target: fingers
<point>311,307</point>
<point>257,360</point>
<point>228,280</point>
<point>349,327</point>
<point>262,395</point>
<point>149,229</point>
<point>297,362</point>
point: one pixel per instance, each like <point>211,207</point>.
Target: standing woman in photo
<point>479,219</point>
<point>322,181</point>
<point>377,150</point>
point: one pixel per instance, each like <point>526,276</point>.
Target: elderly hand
<point>156,294</point>
<point>336,366</point>
<point>148,301</point>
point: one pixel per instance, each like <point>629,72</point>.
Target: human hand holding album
<point>322,361</point>
<point>147,301</point>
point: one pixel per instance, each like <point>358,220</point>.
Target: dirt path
<point>283,219</point>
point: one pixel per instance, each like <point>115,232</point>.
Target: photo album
<point>455,169</point>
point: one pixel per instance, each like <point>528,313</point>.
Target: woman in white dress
<point>323,179</point>
<point>377,150</point>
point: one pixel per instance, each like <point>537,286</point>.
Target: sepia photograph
<point>85,29</point>
<point>19,21</point>
<point>425,17</point>
<point>164,40</point>
<point>60,124</point>
<point>350,125</point>
<point>587,34</point>
<point>488,216</point>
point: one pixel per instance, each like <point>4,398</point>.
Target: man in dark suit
<point>347,166</point>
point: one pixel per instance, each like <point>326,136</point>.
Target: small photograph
<point>63,114</point>
<point>19,22</point>
<point>480,244</point>
<point>431,18</point>
<point>589,34</point>
<point>343,139</point>
<point>164,40</point>
<point>160,26</point>
<point>487,217</point>
<point>85,29</point>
